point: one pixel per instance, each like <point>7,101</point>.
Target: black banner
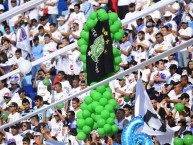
<point>99,57</point>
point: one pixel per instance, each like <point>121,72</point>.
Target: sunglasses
<point>6,97</point>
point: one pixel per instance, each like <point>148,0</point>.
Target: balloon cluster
<point>179,107</point>
<point>97,113</point>
<point>187,140</point>
<point>129,135</point>
<point>116,35</point>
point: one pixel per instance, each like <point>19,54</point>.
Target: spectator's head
<point>171,57</point>
<point>149,27</point>
<point>82,85</point>
<point>178,88</point>
<point>75,26</point>
<point>170,121</point>
<point>75,103</point>
<point>18,53</point>
<point>11,142</point>
<point>154,102</point>
<point>139,21</point>
<point>76,8</point>
<point>141,35</point>
<point>160,64</point>
<point>34,22</point>
<point>53,27</point>
<point>61,76</point>
<point>71,115</point>
<point>47,38</point>
<point>81,76</point>
<point>159,37</point>
<point>25,126</point>
<point>127,109</point>
<point>43,20</point>
<point>184,25</point>
<point>168,16</point>
<point>44,126</point>
<point>38,101</point>
<point>14,84</point>
<point>187,1</point>
<point>15,129</point>
<point>7,29</point>
<point>3,83</point>
<point>13,107</point>
<point>121,81</point>
<point>120,114</point>
<point>26,141</point>
<point>35,120</point>
<point>56,115</point>
<point>61,20</point>
<point>164,30</point>
<point>6,43</point>
<point>75,83</point>
<point>36,40</point>
<point>2,9</point>
<point>132,7</point>
<point>21,93</point>
<point>125,37</point>
<point>65,41</point>
<point>13,3</point>
<point>7,97</point>
<point>173,68</point>
<point>96,6</point>
<point>185,97</point>
<point>2,136</point>
<point>41,74</point>
<point>26,104</point>
<point>58,87</point>
<point>184,80</point>
<point>41,30</point>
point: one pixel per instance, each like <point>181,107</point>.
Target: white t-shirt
<point>56,34</point>
<point>66,87</point>
<point>53,9</point>
<point>164,46</point>
<point>43,91</point>
<point>18,138</point>
<point>14,117</point>
<point>124,2</point>
<point>64,28</point>
<point>11,36</point>
<point>58,96</point>
<point>49,46</point>
<point>78,18</point>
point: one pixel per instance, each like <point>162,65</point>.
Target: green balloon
<point>109,107</point>
<point>83,106</point>
<point>118,24</point>
<point>90,23</point>
<point>86,29</point>
<point>79,130</point>
<point>101,132</point>
<point>113,102</point>
<point>86,114</point>
<point>88,100</point>
<point>117,68</point>
<point>86,129</point>
<point>179,107</point>
<point>95,126</point>
<point>110,22</point>
<point>80,123</point>
<point>83,58</point>
<point>112,36</point>
<point>101,89</point>
<point>114,29</point>
<point>107,128</point>
<point>79,115</point>
<point>113,16</point>
<point>118,36</point>
<point>83,49</point>
<point>115,128</point>
<point>105,114</point>
<point>99,109</point>
<point>60,106</point>
<point>85,75</point>
<point>94,105</point>
<point>101,122</point>
<point>81,136</point>
<point>93,115</point>
<point>104,17</point>
<point>92,92</point>
<point>109,90</point>
<point>127,99</point>
<point>101,12</point>
<point>85,35</point>
<point>188,140</point>
<point>81,42</point>
<point>115,52</point>
<point>90,108</point>
<point>97,117</point>
<point>119,51</point>
<point>5,116</point>
<point>112,115</point>
<point>89,121</point>
<point>97,96</point>
<point>103,101</point>
<point>122,31</point>
<point>111,121</point>
<point>93,15</point>
<point>107,95</point>
<point>117,60</point>
<point>178,141</point>
<point>46,82</point>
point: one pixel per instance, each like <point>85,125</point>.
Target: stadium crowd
<point>45,29</point>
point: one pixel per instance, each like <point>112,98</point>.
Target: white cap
<point>168,14</point>
<point>2,7</point>
<point>61,18</point>
<point>71,7</point>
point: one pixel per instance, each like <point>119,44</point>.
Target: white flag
<point>153,124</point>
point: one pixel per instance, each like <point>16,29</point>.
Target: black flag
<point>99,57</point>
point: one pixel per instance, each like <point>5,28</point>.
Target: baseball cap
<point>149,24</point>
<point>2,7</point>
<point>15,126</point>
<point>13,104</point>
<point>7,94</point>
<point>61,18</point>
<point>71,7</point>
<point>13,82</point>
<point>121,78</point>
<point>11,140</point>
<point>167,14</point>
<point>169,25</point>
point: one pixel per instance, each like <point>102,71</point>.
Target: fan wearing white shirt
<point>44,22</point>
<point>18,56</point>
<point>9,35</point>
<point>63,27</point>
<point>34,28</point>
<point>167,36</point>
<point>74,33</point>
<point>14,115</point>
